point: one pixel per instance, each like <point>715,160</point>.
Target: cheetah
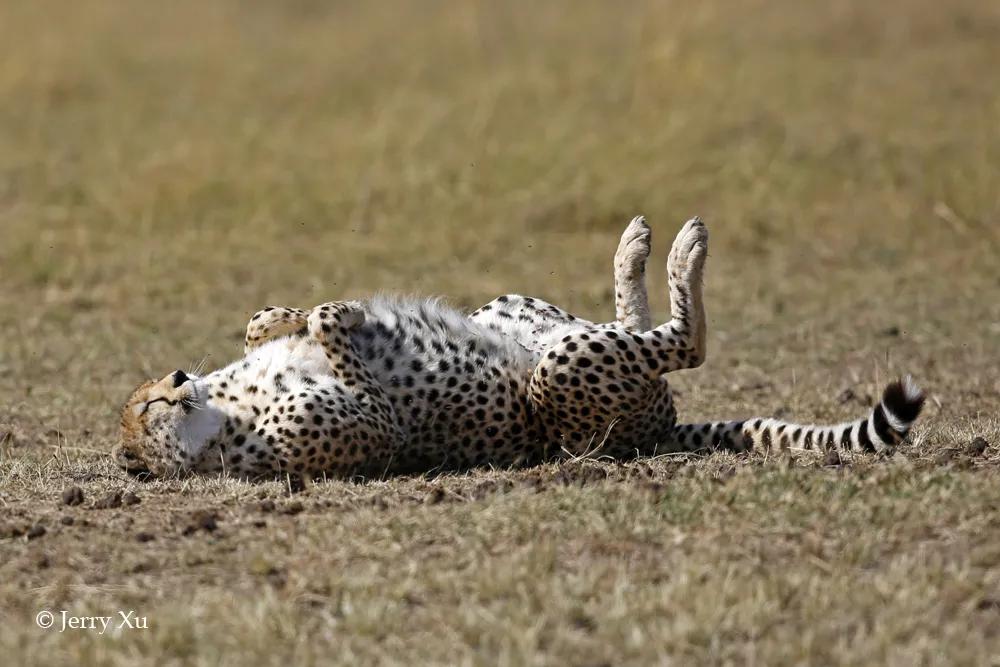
<point>400,384</point>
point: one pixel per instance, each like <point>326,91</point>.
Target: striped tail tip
<point>899,408</point>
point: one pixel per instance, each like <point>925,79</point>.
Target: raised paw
<point>631,300</point>
<point>344,315</point>
<point>687,256</point>
<point>633,249</point>
<point>685,269</point>
<point>273,322</point>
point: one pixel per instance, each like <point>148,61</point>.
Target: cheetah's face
<point>156,426</point>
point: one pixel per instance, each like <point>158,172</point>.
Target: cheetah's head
<point>164,426</point>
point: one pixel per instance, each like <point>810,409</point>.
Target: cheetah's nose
<point>180,377</point>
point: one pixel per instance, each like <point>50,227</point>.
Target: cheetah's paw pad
<point>687,256</point>
<point>634,247</point>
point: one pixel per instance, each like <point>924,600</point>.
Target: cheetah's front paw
<point>273,322</point>
<point>344,315</point>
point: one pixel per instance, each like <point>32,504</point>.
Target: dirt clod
<point>437,495</point>
<point>292,508</point>
<point>655,488</point>
<point>72,496</point>
<point>988,604</point>
<point>145,536</point>
<point>266,506</point>
<point>111,500</point>
<point>35,531</point>
<point>833,458</point>
<point>202,520</point>
<point>130,498</point>
<point>977,447</point>
<point>13,530</point>
<point>847,396</point>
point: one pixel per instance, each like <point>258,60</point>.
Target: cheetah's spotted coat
<point>403,384</point>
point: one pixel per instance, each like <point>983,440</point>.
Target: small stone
<point>72,496</point>
<point>145,536</point>
<point>67,520</point>
<point>891,332</point>
<point>130,498</point>
<point>833,458</point>
<point>35,531</point>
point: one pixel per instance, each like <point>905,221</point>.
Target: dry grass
<point>165,171</point>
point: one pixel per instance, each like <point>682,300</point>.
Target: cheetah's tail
<point>885,426</point>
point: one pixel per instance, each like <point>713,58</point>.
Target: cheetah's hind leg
<point>685,332</point>
<point>631,299</point>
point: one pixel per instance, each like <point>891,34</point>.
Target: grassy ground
<point>165,171</point>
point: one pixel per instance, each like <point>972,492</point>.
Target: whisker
<point>199,367</point>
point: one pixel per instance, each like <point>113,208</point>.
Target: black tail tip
<point>903,399</point>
